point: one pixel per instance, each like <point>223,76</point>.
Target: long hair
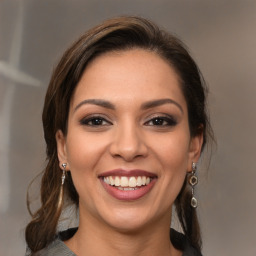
<point>116,34</point>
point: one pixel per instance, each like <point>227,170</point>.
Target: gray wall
<point>221,36</point>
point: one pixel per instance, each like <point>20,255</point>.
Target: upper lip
<point>127,173</point>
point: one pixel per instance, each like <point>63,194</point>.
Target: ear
<point>195,148</point>
<point>61,148</point>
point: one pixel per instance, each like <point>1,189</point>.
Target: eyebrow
<point>98,102</point>
<point>156,103</point>
<point>144,106</point>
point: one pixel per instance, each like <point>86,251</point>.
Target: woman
<point>124,123</point>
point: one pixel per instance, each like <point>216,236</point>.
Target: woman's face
<point>128,144</point>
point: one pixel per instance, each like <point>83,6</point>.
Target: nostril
<point>128,142</point>
<point>128,155</point>
<point>128,152</point>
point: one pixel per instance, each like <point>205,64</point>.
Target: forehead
<point>130,75</point>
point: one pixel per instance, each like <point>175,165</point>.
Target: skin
<point>129,136</point>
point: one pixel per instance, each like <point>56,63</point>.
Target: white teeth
<point>124,181</point>
<point>106,179</point>
<point>126,189</point>
<point>139,183</point>
<point>132,182</point>
<point>127,183</point>
<point>117,181</point>
<point>112,181</point>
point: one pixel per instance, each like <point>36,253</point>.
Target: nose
<point>128,143</point>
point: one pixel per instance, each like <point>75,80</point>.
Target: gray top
<point>59,248</point>
<point>56,248</point>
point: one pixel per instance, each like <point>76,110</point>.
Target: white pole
<point>11,71</point>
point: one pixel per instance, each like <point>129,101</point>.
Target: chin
<point>129,220</point>
<point>128,226</point>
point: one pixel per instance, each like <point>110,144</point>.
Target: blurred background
<point>221,37</point>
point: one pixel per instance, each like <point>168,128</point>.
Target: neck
<point>96,239</point>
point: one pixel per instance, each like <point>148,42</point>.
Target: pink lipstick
<point>128,184</point>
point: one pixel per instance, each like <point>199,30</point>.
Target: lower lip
<point>128,195</point>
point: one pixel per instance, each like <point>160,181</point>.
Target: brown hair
<point>113,35</point>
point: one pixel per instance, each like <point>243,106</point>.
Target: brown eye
<point>161,121</point>
<point>95,121</point>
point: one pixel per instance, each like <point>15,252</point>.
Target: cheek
<point>172,151</point>
<point>83,159</point>
<point>82,151</point>
<point>173,156</point>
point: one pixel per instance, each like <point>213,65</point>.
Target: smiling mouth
<point>127,183</point>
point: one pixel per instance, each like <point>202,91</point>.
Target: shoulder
<point>180,242</point>
<point>57,247</point>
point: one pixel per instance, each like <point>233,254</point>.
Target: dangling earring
<point>63,177</point>
<point>193,180</point>
<point>63,174</point>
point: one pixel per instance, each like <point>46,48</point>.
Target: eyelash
<point>89,121</point>
<point>155,121</point>
<point>162,121</point>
